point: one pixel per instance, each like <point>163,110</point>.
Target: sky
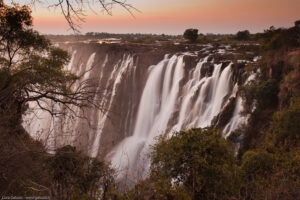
<point>174,16</point>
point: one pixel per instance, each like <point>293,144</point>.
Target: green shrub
<point>261,95</point>
<point>286,128</point>
<point>266,94</point>
<point>270,176</point>
<point>75,176</point>
<point>257,164</point>
<point>198,159</point>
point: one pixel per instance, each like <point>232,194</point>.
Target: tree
<point>297,23</point>
<point>243,35</point>
<point>75,176</point>
<point>198,159</point>
<point>286,125</point>
<point>32,70</point>
<point>191,34</point>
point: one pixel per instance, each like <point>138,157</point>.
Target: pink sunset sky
<point>174,16</point>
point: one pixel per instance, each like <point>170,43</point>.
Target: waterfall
<point>155,109</point>
<point>237,119</point>
<point>198,101</point>
<point>141,97</point>
<point>116,76</point>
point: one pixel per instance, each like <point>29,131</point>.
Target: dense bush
<point>286,129</point>
<point>266,94</point>
<point>243,35</point>
<point>22,161</point>
<point>75,176</point>
<point>259,95</point>
<point>257,164</point>
<point>199,164</point>
<point>199,160</point>
<point>271,176</point>
<point>191,34</point>
<point>275,39</point>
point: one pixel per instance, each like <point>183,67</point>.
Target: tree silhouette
<point>32,70</point>
<point>191,34</point>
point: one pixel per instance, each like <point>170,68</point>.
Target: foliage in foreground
<point>32,71</point>
<point>199,160</point>
<point>199,164</point>
<point>75,176</point>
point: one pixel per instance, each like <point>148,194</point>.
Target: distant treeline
<point>129,37</point>
<point>104,35</point>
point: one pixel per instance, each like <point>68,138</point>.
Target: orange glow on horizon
<point>172,17</point>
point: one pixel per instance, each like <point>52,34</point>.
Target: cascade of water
<point>116,76</point>
<point>89,66</point>
<point>69,66</point>
<point>175,96</point>
<point>217,87</point>
<point>200,100</point>
<point>155,109</point>
<point>94,122</point>
<point>190,91</point>
<point>69,125</point>
<point>237,119</point>
<point>203,99</point>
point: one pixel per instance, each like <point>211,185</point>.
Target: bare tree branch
<point>74,13</point>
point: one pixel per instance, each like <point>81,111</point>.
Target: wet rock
<point>190,61</point>
<point>238,71</point>
<point>210,58</point>
<point>207,69</point>
<point>220,121</point>
<point>225,64</point>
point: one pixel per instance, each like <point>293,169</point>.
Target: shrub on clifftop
<point>191,34</point>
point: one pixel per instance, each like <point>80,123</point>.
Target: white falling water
<point>70,124</point>
<point>173,97</point>
<point>116,76</point>
<point>70,65</point>
<point>89,66</point>
<point>237,119</point>
<point>92,132</point>
<point>198,101</point>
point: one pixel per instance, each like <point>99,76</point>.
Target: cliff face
<point>144,91</point>
<point>119,73</point>
<point>119,84</point>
